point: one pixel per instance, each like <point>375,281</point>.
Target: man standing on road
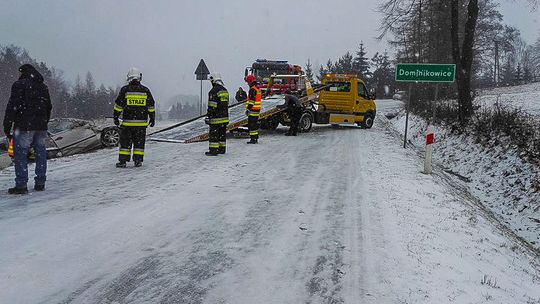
<point>294,109</point>
<point>218,116</point>
<point>241,95</point>
<point>28,112</point>
<point>253,106</point>
<point>136,104</point>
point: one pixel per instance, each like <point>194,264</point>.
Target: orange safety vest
<point>10,148</point>
<point>257,102</point>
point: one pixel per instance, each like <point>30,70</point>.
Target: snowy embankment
<point>506,184</point>
<point>337,215</point>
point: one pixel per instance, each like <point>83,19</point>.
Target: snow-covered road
<point>338,215</point>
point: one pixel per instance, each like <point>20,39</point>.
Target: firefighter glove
<point>152,122</point>
<point>116,121</point>
<point>207,121</point>
<point>247,112</point>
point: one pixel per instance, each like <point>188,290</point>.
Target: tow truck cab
<point>345,100</point>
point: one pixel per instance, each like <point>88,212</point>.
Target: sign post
<point>424,72</point>
<point>202,74</point>
<point>430,139</point>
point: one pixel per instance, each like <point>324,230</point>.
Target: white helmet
<point>134,74</point>
<point>215,78</point>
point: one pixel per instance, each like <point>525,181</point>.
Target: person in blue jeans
<point>28,113</point>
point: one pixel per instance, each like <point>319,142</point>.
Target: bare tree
<point>463,55</point>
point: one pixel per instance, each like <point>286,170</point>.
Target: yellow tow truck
<point>345,100</point>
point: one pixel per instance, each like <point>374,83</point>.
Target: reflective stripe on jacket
<point>254,99</point>
<point>135,104</point>
<point>218,105</point>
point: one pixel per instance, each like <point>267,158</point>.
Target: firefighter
<point>294,110</point>
<point>136,104</point>
<point>218,116</point>
<point>253,106</point>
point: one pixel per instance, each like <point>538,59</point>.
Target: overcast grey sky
<point>167,38</point>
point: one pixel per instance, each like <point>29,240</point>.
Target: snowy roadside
<point>498,177</point>
<point>337,215</point>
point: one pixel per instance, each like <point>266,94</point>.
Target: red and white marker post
<point>430,139</point>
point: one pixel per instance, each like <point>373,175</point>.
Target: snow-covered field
<point>524,97</point>
<point>338,215</point>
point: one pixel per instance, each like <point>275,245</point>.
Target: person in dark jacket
<point>136,104</point>
<point>28,113</point>
<point>241,95</point>
<point>218,116</point>
<point>294,109</point>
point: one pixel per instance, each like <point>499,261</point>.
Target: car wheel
<point>110,137</point>
<point>368,121</point>
<point>306,121</point>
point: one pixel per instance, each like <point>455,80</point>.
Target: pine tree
<point>382,79</point>
<point>330,67</point>
<point>344,65</point>
<point>322,72</point>
<point>309,71</point>
<point>360,64</point>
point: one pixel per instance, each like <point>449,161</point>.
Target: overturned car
<point>69,136</point>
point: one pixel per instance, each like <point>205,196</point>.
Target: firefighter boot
<point>16,190</point>
<point>121,164</point>
<point>253,141</point>
<point>221,150</point>
<point>138,163</point>
<point>210,153</point>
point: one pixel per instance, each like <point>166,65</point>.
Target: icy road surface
<point>338,215</point>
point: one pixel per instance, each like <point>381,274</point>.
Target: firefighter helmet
<point>250,78</point>
<point>215,78</point>
<point>134,74</point>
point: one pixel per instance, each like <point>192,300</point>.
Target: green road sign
<point>425,72</point>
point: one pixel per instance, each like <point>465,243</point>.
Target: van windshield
<point>338,86</point>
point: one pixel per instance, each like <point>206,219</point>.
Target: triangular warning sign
<point>202,71</point>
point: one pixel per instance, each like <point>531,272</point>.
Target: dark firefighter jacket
<point>29,106</point>
<point>136,104</point>
<point>218,105</point>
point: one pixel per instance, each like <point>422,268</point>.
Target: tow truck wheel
<point>306,121</point>
<point>368,121</point>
